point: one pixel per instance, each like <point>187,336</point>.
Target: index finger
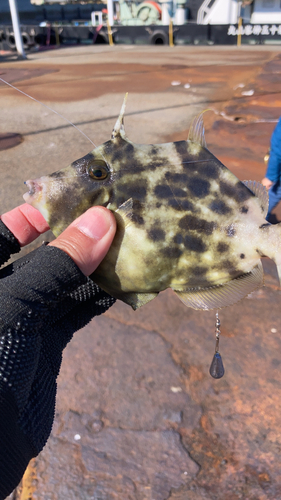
<point>25,222</point>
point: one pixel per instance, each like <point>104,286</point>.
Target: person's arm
<point>273,171</point>
<point>45,297</point>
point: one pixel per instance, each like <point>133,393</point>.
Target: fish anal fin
<point>119,129</point>
<point>260,192</point>
<point>216,297</point>
<point>197,132</point>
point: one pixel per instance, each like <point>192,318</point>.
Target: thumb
<point>88,238</point>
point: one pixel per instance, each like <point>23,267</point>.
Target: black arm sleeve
<point>44,299</point>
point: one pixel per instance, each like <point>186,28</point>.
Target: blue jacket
<point>273,171</point>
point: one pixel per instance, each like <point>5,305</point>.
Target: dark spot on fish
<point>137,211</point>
<point>239,192</point>
<point>176,178</point>
<point>153,150</point>
<point>137,167</point>
<point>210,170</point>
<point>163,191</point>
<point>230,231</point>
<point>219,207</point>
<point>120,200</point>
<point>129,149</point>
<point>137,219</point>
<point>158,204</point>
<point>130,164</point>
<point>231,269</point>
<point>156,234</point>
<point>242,256</point>
<point>187,205</point>
<point>192,223</point>
<point>227,189</point>
<point>110,147</point>
<point>117,156</point>
<point>181,148</point>
<point>244,209</point>
<point>156,164</point>
<point>178,239</point>
<point>179,205</point>
<point>222,247</point>
<point>57,175</point>
<point>171,252</point>
<point>199,270</point>
<point>194,243</point>
<point>178,192</point>
<point>199,187</point>
<point>137,191</point>
<point>138,206</point>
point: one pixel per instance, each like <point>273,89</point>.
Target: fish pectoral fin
<point>197,132</point>
<point>216,297</point>
<point>136,300</point>
<point>124,213</point>
<point>261,193</point>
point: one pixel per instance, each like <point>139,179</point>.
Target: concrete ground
<point>138,416</point>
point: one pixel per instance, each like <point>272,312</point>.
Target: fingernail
<point>95,223</point>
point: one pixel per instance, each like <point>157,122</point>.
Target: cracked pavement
<point>138,416</point>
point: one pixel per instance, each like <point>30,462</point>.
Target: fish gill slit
<point>53,110</point>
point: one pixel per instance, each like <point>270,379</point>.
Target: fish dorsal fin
<point>119,129</point>
<point>197,132</point>
<point>216,297</point>
<point>260,192</point>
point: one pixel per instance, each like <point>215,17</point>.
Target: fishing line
<point>48,107</point>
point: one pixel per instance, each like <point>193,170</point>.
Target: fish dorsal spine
<point>260,192</point>
<point>119,129</point>
<point>197,132</point>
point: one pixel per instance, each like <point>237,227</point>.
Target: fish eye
<point>98,170</point>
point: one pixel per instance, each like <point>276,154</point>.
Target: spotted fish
<point>184,220</point>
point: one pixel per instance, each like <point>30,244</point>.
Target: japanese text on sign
<point>255,29</point>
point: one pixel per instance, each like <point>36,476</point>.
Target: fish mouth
<point>35,189</point>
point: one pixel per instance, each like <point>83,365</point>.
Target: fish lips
<point>36,192</point>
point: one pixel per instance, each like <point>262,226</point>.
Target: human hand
<point>267,183</point>
<point>86,240</point>
<point>44,299</point>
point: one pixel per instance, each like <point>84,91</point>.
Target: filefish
<point>184,221</point>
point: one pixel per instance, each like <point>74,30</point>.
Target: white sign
<point>255,29</point>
